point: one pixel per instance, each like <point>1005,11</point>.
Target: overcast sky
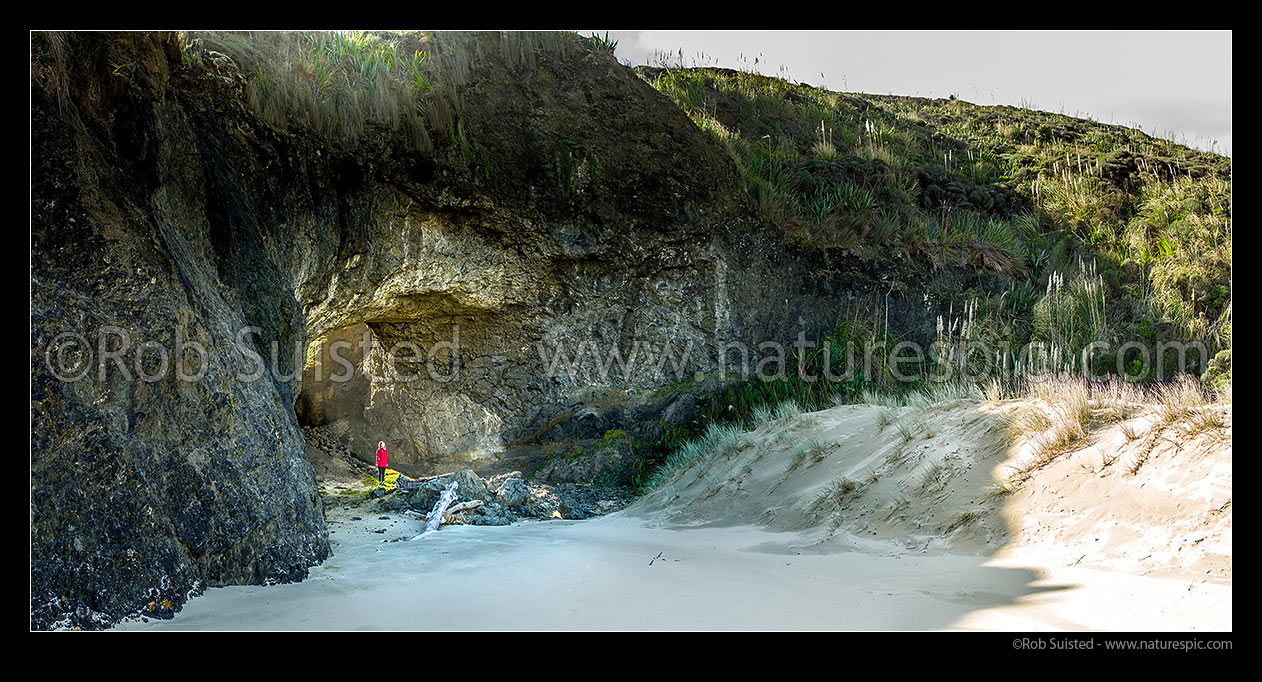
<point>1170,84</point>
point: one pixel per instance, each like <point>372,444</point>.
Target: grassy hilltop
<point>935,179</point>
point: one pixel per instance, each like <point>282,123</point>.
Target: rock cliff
<point>573,206</point>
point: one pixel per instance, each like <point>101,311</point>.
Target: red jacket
<point>382,458</point>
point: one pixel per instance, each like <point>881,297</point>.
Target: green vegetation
<point>841,170</point>
<point>1032,195</point>
<point>715,440</point>
<point>336,84</point>
<point>601,43</point>
<point>340,85</point>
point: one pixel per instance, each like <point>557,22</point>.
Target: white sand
<point>730,547</point>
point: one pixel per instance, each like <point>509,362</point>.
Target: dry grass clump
<point>1179,399</point>
<point>1116,400</point>
<point>835,493</point>
<point>905,431</point>
<point>1001,489</point>
<point>1208,419</point>
<point>1054,427</point>
<point>1067,409</point>
<point>832,499</point>
<point>934,477</point>
<point>884,417</point>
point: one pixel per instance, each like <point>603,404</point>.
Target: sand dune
<point>857,517</point>
<point>931,478</point>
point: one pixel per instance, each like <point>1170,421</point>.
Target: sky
<point>1171,84</point>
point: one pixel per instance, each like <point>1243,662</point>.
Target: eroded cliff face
<point>155,475</point>
<point>576,208</point>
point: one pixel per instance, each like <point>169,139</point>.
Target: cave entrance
<point>336,390</point>
<point>335,381</point>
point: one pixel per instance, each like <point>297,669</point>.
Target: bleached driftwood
<point>437,514</point>
<point>451,512</point>
<point>463,506</point>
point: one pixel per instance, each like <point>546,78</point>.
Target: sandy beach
<point>732,547</point>
<point>616,573</point>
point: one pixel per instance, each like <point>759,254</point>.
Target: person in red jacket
<point>383,461</point>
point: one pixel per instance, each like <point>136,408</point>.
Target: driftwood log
<point>462,507</point>
<point>448,516</point>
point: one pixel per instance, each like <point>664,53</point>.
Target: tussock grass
<point>717,440</point>
<point>1207,420</point>
<point>944,392</point>
<point>761,414</point>
<point>886,399</point>
<point>905,431</point>
<point>787,410</point>
<point>1001,489</point>
<point>337,83</point>
<point>1068,409</point>
<point>831,501</point>
<point>835,493</point>
<point>921,395</point>
<point>963,520</point>
<point>1178,399</point>
<point>884,418</point>
<point>1054,427</point>
<point>932,479</point>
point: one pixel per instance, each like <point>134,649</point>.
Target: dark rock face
<point>586,213</point>
<point>607,462</point>
<point>147,487</point>
<point>514,492</point>
<point>471,485</point>
<point>424,497</point>
<point>492,514</point>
